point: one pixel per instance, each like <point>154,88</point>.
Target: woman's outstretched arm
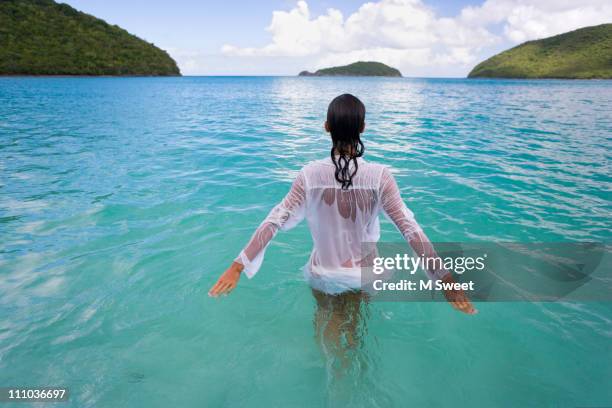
<point>288,213</point>
<point>395,208</point>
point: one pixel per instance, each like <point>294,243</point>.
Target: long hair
<point>345,122</point>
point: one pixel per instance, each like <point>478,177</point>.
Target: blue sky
<point>420,37</point>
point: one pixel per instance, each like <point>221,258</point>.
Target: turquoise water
<point>121,200</point>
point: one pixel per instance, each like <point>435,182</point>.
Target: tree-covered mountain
<point>41,37</point>
<point>585,53</point>
<point>359,68</point>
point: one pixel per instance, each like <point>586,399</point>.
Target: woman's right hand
<point>227,281</point>
<point>457,298</point>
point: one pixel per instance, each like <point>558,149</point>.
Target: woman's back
<point>340,220</point>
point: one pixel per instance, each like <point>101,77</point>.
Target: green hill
<point>360,68</point>
<point>581,54</point>
<point>41,37</point>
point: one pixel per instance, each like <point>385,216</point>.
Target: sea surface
<point>123,199</point>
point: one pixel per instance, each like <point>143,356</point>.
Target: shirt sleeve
<point>286,215</point>
<point>395,209</point>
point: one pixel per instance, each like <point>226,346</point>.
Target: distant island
<point>360,68</point>
<point>42,37</point>
<point>585,53</point>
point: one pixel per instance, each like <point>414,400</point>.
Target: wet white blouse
<point>339,221</point>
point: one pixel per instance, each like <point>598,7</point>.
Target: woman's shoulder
<point>327,161</point>
<point>316,164</point>
<point>325,165</point>
<point>374,166</point>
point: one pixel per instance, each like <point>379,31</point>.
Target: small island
<point>42,37</point>
<point>360,68</point>
<point>585,53</point>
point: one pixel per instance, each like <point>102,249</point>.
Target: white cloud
<point>409,35</point>
<point>294,33</point>
<point>530,19</point>
<point>398,32</point>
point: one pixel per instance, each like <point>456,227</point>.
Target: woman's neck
<point>351,152</point>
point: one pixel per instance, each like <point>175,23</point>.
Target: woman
<point>340,197</point>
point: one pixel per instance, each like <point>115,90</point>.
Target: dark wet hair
<point>345,121</point>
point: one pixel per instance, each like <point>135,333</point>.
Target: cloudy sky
<point>426,38</point>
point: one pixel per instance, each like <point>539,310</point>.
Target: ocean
<point>123,199</point>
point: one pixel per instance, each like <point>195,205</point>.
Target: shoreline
<point>474,79</point>
<point>84,76</point>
